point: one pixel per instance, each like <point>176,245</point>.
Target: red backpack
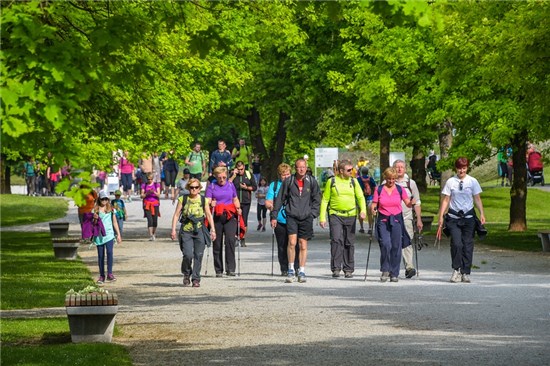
<point>367,189</point>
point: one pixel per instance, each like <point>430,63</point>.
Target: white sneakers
<point>456,277</point>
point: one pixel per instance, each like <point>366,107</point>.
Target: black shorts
<point>303,228</point>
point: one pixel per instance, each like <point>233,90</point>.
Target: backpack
<point>399,189</point>
<point>199,154</point>
<point>333,184</point>
<point>367,189</point>
<point>182,219</point>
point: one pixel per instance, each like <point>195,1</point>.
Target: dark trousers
<point>152,220</point>
<point>281,236</point>
<point>245,207</point>
<point>462,243</point>
<point>226,228</point>
<point>342,243</point>
<point>261,212</point>
<point>192,249</point>
<point>101,249</point>
<point>390,240</point>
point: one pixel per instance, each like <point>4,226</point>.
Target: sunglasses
<point>194,187</point>
<point>349,170</point>
<point>461,186</point>
<point>105,199</point>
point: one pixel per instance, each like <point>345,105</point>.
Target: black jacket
<point>298,206</point>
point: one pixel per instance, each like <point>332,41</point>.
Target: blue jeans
<point>390,240</point>
<point>101,257</point>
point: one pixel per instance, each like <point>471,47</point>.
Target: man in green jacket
<point>342,198</point>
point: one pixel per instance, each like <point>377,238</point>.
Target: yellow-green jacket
<point>343,197</point>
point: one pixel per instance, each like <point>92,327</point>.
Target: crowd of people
<point>390,210</point>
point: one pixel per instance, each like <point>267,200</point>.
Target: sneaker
<point>466,278</point>
<point>394,279</point>
<point>152,238</point>
<point>302,277</point>
<point>385,276</point>
<point>230,274</point>
<point>263,228</point>
<point>335,274</point>
<point>100,280</point>
<point>186,281</point>
<point>290,276</point>
<point>196,283</point>
<point>362,231</point>
<point>219,274</point>
<point>241,243</point>
<point>348,274</point>
<point>111,278</point>
<point>369,232</point>
<point>259,227</point>
<point>456,277</point>
<point>409,273</point>
<point>284,273</point>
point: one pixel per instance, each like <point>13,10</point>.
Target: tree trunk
<point>518,191</point>
<point>445,143</point>
<point>5,176</point>
<point>418,166</point>
<point>271,158</point>
<point>385,139</point>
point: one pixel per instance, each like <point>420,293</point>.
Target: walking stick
<point>238,245</point>
<point>370,243</point>
<point>416,244</point>
<point>207,256</point>
<point>272,249</point>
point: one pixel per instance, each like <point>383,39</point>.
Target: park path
<point>502,317</point>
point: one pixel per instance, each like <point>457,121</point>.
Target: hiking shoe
<point>230,274</point>
<point>385,276</point>
<point>284,273</point>
<point>302,277</point>
<point>259,227</point>
<point>290,276</point>
<point>369,232</point>
<point>409,273</point>
<point>456,277</point>
<point>394,279</point>
<point>186,280</point>
<point>196,283</point>
<point>466,278</point>
<point>263,228</point>
<point>335,274</point>
<point>100,280</point>
<point>348,274</point>
<point>111,278</point>
<point>362,231</point>
<point>219,274</point>
<point>242,243</point>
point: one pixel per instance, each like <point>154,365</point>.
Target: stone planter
<point>91,317</point>
<point>66,248</point>
<point>427,222</point>
<point>59,229</point>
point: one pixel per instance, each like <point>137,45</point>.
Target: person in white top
<point>457,212</point>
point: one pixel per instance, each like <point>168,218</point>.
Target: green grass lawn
<point>496,202</point>
<point>32,277</point>
<point>23,210</point>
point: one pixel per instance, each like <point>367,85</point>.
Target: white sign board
<point>325,156</point>
<point>398,155</point>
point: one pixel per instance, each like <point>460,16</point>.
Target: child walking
<point>261,193</point>
<point>104,241</point>
<point>120,210</point>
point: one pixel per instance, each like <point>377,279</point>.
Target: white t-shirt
<point>461,199</point>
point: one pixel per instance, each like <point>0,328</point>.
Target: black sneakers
<point>410,273</point>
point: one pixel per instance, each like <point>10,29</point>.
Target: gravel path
<point>502,317</point>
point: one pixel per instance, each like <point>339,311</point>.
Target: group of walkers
<point>392,210</point>
<point>42,177</point>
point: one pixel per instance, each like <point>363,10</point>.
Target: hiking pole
<point>370,243</point>
<point>239,245</point>
<point>272,249</point>
<point>207,256</point>
<point>418,242</point>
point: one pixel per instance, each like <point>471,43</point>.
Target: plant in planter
<point>91,313</point>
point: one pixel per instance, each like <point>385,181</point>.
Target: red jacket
<point>230,211</point>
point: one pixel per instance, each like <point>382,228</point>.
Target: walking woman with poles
<point>222,198</point>
<point>390,227</point>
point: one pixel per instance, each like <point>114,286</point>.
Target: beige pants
<point>407,252</point>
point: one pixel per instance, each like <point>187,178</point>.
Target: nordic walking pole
<point>239,245</point>
<point>207,256</point>
<point>370,243</point>
<point>416,244</point>
<point>272,249</point>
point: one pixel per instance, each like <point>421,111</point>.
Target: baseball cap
<point>186,171</point>
<point>118,192</point>
<point>103,194</point>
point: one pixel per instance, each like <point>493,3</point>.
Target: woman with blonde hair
<point>223,200</point>
<point>390,227</point>
<point>193,235</point>
<point>104,242</point>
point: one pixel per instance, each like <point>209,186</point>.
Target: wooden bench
<point>544,236</point>
<point>93,299</point>
<point>91,316</point>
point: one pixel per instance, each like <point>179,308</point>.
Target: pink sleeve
<point>375,196</point>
